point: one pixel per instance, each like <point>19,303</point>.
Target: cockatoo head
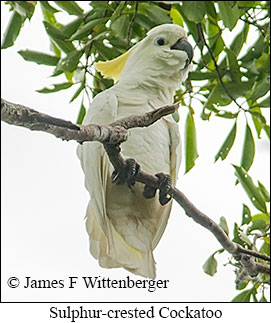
<point>162,59</point>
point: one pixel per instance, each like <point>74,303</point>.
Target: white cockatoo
<point>123,226</point>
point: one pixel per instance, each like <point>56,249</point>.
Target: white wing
<point>123,226</point>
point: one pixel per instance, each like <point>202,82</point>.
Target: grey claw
<point>164,188</point>
<point>149,192</point>
<point>127,174</point>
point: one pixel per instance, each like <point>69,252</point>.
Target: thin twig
<point>253,253</point>
<point>129,33</point>
<point>199,26</point>
<point>255,25</point>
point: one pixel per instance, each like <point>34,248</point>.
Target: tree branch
<point>111,136</point>
<point>19,115</point>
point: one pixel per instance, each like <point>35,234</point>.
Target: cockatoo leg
<point>164,187</point>
<point>127,174</point>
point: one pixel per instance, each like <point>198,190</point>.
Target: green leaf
<point>266,128</point>
<point>156,14</point>
<point>143,21</point>
<point>247,4</point>
<point>12,31</point>
<point>53,32</point>
<point>256,112</point>
<point>24,8</point>
<point>261,88</point>
<point>236,235</point>
<point>264,192</point>
<point>69,75</point>
<point>65,46</point>
<point>210,8</point>
<point>101,5</point>
<point>265,103</point>
<point>120,26</point>
<point>78,91</point>
<point>265,248</point>
<point>105,53</point>
<point>263,299</point>
<point>215,40</point>
<point>56,87</point>
<point>59,38</point>
<point>258,120</point>
<point>48,7</point>
<point>245,238</point>
<point>199,76</point>
<point>48,16</point>
<point>71,7</point>
<point>234,66</point>
<point>217,96</point>
<point>236,89</point>
<point>239,40</point>
<point>242,285</point>
<point>253,192</point>
<point>72,27</point>
<point>210,266</point>
<point>38,57</point>
<point>227,144</point>
<point>81,114</point>
<point>121,7</point>
<point>70,62</point>
<point>248,149</point>
<point>255,51</point>
<point>254,296</point>
<point>86,30</point>
<point>258,224</point>
<point>118,42</point>
<point>224,225</point>
<point>243,296</point>
<point>229,15</point>
<point>190,141</point>
<point>176,17</point>
<point>261,216</point>
<point>205,116</point>
<point>194,10</point>
<point>176,116</point>
<point>226,114</point>
<point>246,215</point>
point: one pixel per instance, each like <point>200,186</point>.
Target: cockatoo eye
<point>160,41</point>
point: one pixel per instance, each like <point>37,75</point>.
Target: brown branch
<point>254,268</point>
<point>111,136</point>
<point>19,115</point>
<point>252,253</point>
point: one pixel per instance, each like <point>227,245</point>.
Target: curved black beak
<point>184,45</point>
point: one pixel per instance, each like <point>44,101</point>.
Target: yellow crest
<point>112,69</point>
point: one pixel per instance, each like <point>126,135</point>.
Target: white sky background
<point>44,198</point>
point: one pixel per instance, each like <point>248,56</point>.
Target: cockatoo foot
<point>164,187</point>
<point>127,174</point>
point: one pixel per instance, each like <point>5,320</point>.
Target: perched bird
<point>123,226</point>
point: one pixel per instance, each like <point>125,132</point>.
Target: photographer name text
<point>95,282</point>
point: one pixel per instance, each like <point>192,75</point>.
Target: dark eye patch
<point>160,41</point>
